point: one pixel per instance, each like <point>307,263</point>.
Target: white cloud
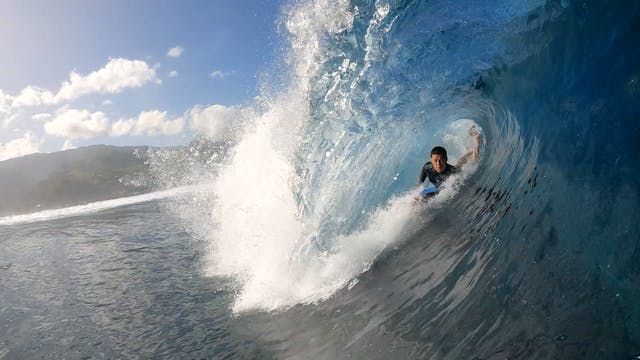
<point>81,124</point>
<point>67,145</point>
<point>113,78</point>
<point>107,102</point>
<point>77,124</point>
<point>25,145</point>
<point>150,123</point>
<point>156,123</point>
<point>5,102</point>
<point>173,74</point>
<point>217,74</point>
<point>33,96</point>
<point>6,120</point>
<point>41,116</point>
<point>175,52</point>
<point>122,127</point>
<point>6,117</point>
<point>116,76</point>
<point>214,121</point>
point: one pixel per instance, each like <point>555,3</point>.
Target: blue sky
<point>76,73</point>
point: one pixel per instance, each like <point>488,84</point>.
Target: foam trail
<point>95,206</point>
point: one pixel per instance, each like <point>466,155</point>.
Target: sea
<point>304,238</point>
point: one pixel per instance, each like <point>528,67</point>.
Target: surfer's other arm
<point>474,154</point>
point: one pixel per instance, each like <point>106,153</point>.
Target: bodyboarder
<point>437,170</point>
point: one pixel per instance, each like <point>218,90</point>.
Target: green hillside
<point>72,177</point>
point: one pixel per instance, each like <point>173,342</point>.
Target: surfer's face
<point>439,162</point>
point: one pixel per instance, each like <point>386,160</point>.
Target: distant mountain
<point>44,181</point>
<point>73,177</point>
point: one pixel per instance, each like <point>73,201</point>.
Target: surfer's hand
<point>476,134</point>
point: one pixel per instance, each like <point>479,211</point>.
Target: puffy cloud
<point>41,116</point>
<point>122,127</point>
<point>7,119</point>
<point>151,123</point>
<point>215,120</point>
<point>217,74</point>
<point>78,124</point>
<point>5,102</point>
<point>68,145</point>
<point>173,74</point>
<point>5,110</point>
<point>156,123</point>
<point>33,96</point>
<point>175,52</point>
<point>82,124</point>
<point>107,102</point>
<point>116,76</point>
<point>28,144</point>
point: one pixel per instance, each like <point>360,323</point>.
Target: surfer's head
<point>439,158</point>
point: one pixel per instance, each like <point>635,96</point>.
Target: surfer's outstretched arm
<point>474,154</point>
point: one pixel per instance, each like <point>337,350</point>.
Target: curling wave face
<point>321,182</point>
<point>314,201</point>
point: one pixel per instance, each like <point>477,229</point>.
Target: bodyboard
<point>429,191</point>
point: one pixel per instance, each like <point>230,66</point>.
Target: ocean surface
<point>304,241</point>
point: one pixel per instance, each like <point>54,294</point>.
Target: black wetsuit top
<point>436,178</point>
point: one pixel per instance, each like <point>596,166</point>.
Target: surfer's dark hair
<point>439,150</point>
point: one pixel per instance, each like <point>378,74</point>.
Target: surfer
<point>437,170</point>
